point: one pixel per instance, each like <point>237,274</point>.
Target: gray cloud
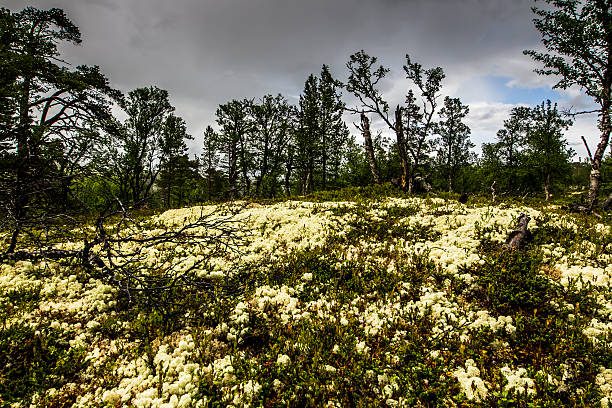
<point>205,52</point>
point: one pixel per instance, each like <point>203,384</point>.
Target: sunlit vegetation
<point>288,264</point>
<point>384,301</point>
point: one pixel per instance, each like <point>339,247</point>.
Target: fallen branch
<point>118,253</point>
<point>581,209</point>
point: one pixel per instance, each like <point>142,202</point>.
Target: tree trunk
<point>369,147</point>
<point>232,174</point>
<point>307,182</point>
<point>411,179</point>
<point>310,175</point>
<point>243,166</point>
<point>401,146</point>
<point>247,182</point>
<point>209,193</point>
<point>264,167</point>
<point>19,190</point>
<point>324,157</point>
<point>258,181</point>
<point>449,167</point>
<point>547,187</point>
<point>288,169</point>
<point>605,127</point>
<point>169,186</point>
<point>511,168</point>
<point>595,177</point>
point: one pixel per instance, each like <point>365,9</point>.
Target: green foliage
<point>212,184</point>
<point>273,119</point>
<point>177,173</point>
<point>18,300</point>
<point>531,154</point>
<point>235,123</point>
<point>384,228</point>
<point>96,193</point>
<point>368,192</point>
<point>35,360</point>
<point>576,34</point>
<point>548,156</point>
<point>417,120</point>
<point>320,136</point>
<point>355,275</point>
<point>510,283</point>
<point>333,132</point>
<point>130,156</point>
<point>503,160</point>
<point>578,37</point>
<point>50,114</point>
<point>454,142</point>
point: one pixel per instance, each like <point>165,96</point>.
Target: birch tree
<point>578,37</point>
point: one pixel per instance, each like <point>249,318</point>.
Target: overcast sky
<point>206,52</point>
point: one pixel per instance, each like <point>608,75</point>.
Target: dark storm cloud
<point>281,41</point>
<point>207,52</point>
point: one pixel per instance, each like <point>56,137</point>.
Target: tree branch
<point>587,148</point>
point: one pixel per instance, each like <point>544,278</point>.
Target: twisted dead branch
<point>117,250</point>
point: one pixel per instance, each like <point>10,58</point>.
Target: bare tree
<point>369,148</point>
<point>413,123</point>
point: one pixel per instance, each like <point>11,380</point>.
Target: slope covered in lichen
<point>381,302</point>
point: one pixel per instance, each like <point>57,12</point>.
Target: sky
<point>207,52</point>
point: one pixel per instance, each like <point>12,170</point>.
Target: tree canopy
<point>578,38</point>
<point>48,113</point>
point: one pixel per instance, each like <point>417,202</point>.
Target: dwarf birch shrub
<point>35,360</point>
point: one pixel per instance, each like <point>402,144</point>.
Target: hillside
<point>374,302</point>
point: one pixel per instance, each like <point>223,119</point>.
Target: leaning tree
<point>50,115</point>
<point>48,112</point>
<point>578,37</point>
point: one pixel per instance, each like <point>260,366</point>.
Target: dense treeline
<point>63,151</point>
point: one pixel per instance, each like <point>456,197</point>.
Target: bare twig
<point>568,112</point>
<point>122,255</point>
<point>587,148</point>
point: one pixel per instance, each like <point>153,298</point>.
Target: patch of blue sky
<point>497,89</point>
<point>518,95</point>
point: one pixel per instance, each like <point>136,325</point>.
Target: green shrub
<point>35,360</point>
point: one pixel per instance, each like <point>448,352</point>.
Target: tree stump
<point>520,235</point>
